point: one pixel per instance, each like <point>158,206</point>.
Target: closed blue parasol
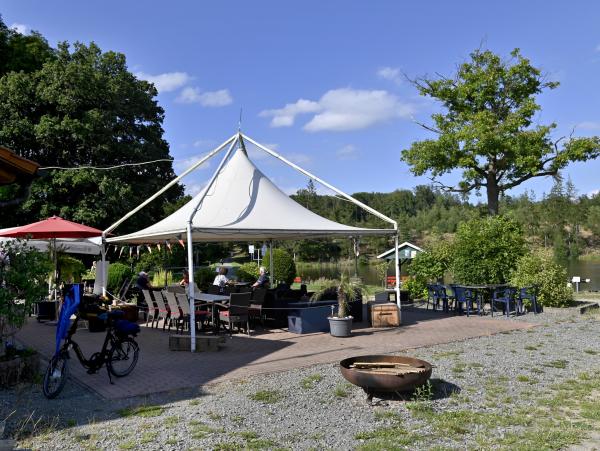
<point>71,302</point>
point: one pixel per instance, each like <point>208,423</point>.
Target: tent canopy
<point>244,205</point>
<point>50,228</point>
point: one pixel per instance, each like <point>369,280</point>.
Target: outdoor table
<point>213,299</point>
<point>481,290</point>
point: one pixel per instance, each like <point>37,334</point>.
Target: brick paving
<point>161,370</point>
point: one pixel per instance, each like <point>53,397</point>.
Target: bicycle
<point>119,353</point>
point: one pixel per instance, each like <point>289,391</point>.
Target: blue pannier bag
<point>124,327</point>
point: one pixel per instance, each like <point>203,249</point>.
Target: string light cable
<point>78,168</point>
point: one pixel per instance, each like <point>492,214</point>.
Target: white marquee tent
<point>241,204</point>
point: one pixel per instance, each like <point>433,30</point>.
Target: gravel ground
<point>484,393</point>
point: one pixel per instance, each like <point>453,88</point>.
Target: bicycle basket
<point>125,328</point>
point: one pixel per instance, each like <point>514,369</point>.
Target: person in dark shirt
<point>263,279</point>
<point>142,281</point>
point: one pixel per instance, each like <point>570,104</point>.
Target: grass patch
<point>391,437</point>
<point>310,381</point>
<point>560,363</point>
<point>342,390</point>
<point>590,351</point>
<point>148,437</point>
<point>522,378</point>
<point>201,430</point>
<point>141,411</point>
<point>383,415</point>
<point>129,444</point>
<point>267,396</point>
<point>213,415</point>
<point>459,368</point>
<point>171,421</point>
<point>441,355</point>
<point>194,402</point>
<point>532,347</point>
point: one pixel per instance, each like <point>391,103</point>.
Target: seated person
<point>221,280</point>
<point>263,279</point>
<point>186,279</point>
<point>142,281</point>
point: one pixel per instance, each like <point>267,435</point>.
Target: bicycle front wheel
<point>123,357</point>
<point>56,376</point>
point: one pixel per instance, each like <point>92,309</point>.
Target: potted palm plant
<point>340,324</point>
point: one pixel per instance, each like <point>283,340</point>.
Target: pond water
<point>368,273</point>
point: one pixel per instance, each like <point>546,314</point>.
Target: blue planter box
<point>309,320</point>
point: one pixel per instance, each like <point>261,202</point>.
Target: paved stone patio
<point>161,370</point>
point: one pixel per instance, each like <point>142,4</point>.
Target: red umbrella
<point>53,227</point>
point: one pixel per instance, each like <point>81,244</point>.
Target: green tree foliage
<point>431,265</point>
<point>23,275</point>
<point>117,274</point>
<point>248,272</point>
<point>22,53</point>
<point>284,267</point>
<point>486,250</point>
<point>541,271</point>
<point>70,268</point>
<point>486,128</point>
<point>82,107</point>
<point>203,277</point>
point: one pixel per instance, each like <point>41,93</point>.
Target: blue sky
<point>321,81</point>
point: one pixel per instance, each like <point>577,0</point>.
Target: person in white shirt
<point>221,280</point>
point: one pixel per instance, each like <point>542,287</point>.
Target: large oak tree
<point>486,128</point>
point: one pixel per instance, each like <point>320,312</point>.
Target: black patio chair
<point>237,311</point>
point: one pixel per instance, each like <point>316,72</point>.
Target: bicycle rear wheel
<point>123,357</point>
<point>56,375</point>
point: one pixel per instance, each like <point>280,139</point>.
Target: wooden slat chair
<point>237,312</point>
<point>152,311</point>
<point>202,316</point>
<point>175,312</point>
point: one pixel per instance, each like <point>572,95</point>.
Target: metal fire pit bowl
<point>374,383</point>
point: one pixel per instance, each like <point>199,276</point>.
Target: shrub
<point>117,274</point>
<point>417,289</point>
<point>284,267</point>
<point>23,274</point>
<point>159,277</point>
<point>486,250</point>
<point>70,268</point>
<point>430,266</point>
<point>248,272</point>
<point>540,270</point>
<point>203,277</point>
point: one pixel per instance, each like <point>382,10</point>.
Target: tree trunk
<point>493,194</point>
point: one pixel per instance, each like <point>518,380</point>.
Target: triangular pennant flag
<point>149,248</point>
<point>158,246</point>
<point>121,251</point>
<point>138,251</point>
<point>182,243</point>
<point>130,251</point>
<point>168,245</point>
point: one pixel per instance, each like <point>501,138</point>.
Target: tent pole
<point>191,289</point>
<point>191,285</point>
<point>333,188</point>
<point>271,266</point>
<point>168,185</point>
<point>397,268</point>
<point>103,266</point>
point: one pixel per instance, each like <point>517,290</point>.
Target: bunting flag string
<point>121,251</point>
<point>169,246</point>
<point>158,246</point>
<point>182,243</point>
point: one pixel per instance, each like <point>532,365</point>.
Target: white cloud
<point>349,109</point>
<point>284,117</point>
<point>347,153</point>
<point>21,28</point>
<point>218,98</point>
<point>181,165</point>
<point>391,74</point>
<point>342,109</point>
<point>167,82</point>
<point>589,125</point>
<point>194,188</point>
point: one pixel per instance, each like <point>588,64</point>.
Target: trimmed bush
<point>248,272</point>
<point>203,277</point>
<point>540,270</point>
<point>117,274</point>
<point>284,266</point>
<point>417,289</point>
